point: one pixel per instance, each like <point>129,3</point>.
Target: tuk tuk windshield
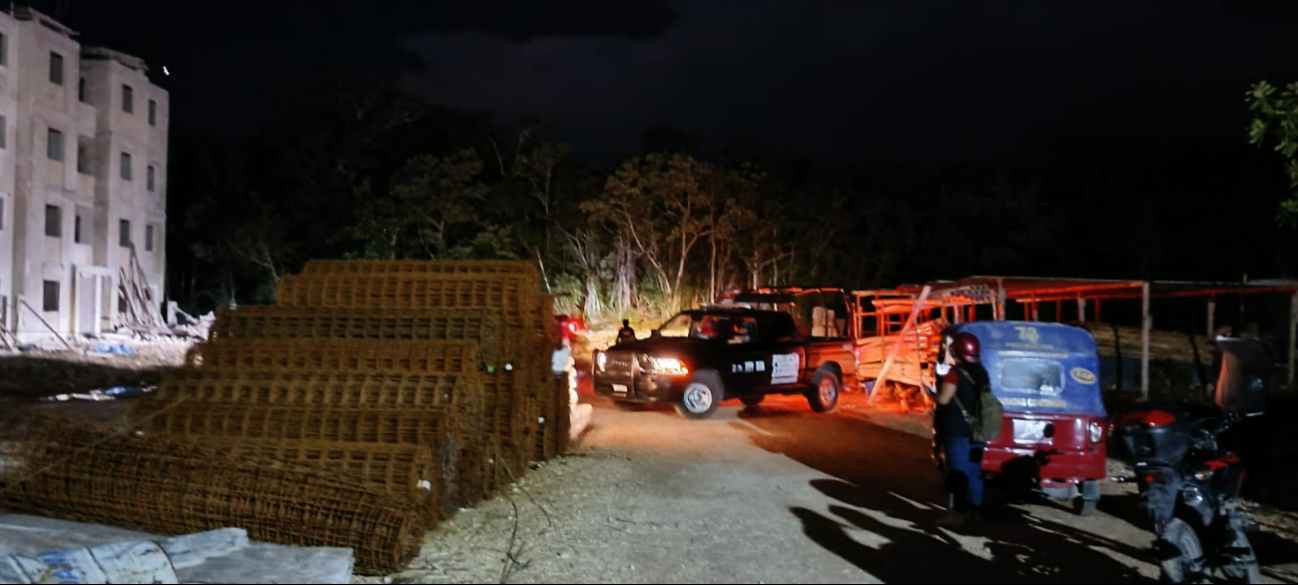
<point>1036,376</point>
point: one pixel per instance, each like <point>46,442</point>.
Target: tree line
<point>353,168</point>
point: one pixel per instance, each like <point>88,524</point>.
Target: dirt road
<point>775,495</point>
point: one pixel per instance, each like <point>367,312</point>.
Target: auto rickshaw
<point>1052,437</point>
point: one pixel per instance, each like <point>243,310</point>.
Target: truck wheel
<point>701,396</point>
<point>751,401</point>
<point>823,397</point>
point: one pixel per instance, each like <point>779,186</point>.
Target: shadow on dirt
<point>889,503</point>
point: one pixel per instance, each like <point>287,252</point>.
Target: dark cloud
<point>919,78</point>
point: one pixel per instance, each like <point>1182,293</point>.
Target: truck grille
<point>618,364</point>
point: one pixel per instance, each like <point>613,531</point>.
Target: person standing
<point>626,333</point>
<point>961,377</point>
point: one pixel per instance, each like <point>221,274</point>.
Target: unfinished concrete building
<point>83,174</point>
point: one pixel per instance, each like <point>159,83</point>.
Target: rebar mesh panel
<point>317,267</point>
<point>339,355</point>
<point>168,487</point>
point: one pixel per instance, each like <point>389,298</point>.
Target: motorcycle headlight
<point>1097,432</point>
<point>666,366</point>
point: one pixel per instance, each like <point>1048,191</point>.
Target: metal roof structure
<point>1029,290</point>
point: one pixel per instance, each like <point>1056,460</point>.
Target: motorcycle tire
<point>1187,566</point>
<point>1242,572</point>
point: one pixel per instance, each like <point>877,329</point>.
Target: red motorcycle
<point>1189,492</point>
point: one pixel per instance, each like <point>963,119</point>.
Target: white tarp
<point>219,556</point>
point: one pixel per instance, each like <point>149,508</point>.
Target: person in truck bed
<point>626,333</point>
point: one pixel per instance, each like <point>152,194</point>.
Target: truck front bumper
<point>643,388</point>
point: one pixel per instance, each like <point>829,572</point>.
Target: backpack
<point>986,422</point>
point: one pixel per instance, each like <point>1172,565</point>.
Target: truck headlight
<point>601,360</point>
<point>666,366</point>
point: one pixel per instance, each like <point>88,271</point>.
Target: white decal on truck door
<point>784,368</point>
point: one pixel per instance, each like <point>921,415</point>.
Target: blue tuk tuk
<point>1046,376</point>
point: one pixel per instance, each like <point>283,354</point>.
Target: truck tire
<point>751,401</point>
<point>823,396</point>
<point>701,396</point>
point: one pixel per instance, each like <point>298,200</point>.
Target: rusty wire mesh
<point>339,355</point>
<point>405,470</point>
<point>516,298</point>
<point>429,426</point>
<point>168,487</point>
<point>375,324</point>
<point>317,267</point>
<point>324,389</point>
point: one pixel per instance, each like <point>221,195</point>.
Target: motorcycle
<point>1189,492</point>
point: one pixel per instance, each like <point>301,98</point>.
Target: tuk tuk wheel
<point>1085,507</point>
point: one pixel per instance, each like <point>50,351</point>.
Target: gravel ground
<point>777,495</point>
<point>773,495</point>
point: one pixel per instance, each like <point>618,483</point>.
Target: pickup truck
<point>703,357</point>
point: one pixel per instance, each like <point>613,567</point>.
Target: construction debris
<point>421,387</point>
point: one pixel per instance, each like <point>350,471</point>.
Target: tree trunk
<point>712,282</point>
<point>623,297</point>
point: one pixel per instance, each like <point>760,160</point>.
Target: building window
<point>4,131</point>
<point>76,229</point>
<point>148,238</point>
<point>81,90</point>
<point>4,49</point>
<point>2,214</point>
<point>51,296</point>
<point>126,166</point>
<point>56,68</point>
<point>121,304</point>
<point>153,113</point>
<point>83,157</point>
<point>149,178</point>
<point>128,99</point>
<point>54,146</point>
<point>124,233</point>
<point>53,221</point>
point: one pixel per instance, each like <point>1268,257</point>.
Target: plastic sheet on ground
<point>255,563</point>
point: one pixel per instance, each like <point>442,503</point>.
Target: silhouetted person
<point>961,377</point>
<point>1245,370</point>
<point>1224,333</point>
<point>626,333</point>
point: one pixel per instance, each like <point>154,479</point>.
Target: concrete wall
<point>8,211</point>
<point>94,191</point>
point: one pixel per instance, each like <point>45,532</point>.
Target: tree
<point>437,209</point>
<point>664,206</point>
<point>1275,118</point>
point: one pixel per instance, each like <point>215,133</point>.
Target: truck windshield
<point>695,326</point>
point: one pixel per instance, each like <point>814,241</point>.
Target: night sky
<point>850,81</point>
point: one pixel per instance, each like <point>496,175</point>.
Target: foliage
<point>354,168</point>
<point>1275,119</point>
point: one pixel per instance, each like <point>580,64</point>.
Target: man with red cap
<point>961,375</point>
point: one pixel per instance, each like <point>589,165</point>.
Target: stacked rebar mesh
<point>160,486</point>
<point>429,382</point>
